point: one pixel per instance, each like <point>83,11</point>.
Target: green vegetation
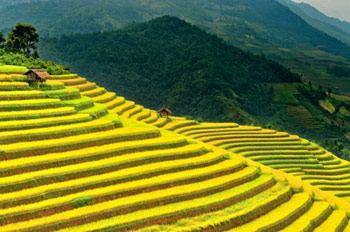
<point>19,49</point>
<point>330,25</point>
<point>178,64</point>
<point>22,39</point>
<point>339,71</point>
<point>258,26</point>
<point>285,97</point>
<point>9,62</point>
<point>12,69</point>
<point>81,202</point>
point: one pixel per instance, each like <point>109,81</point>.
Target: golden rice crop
<point>281,214</point>
<point>30,114</point>
<point>94,92</point>
<point>73,81</point>
<point>48,132</point>
<point>141,198</point>
<point>106,97</point>
<point>19,95</point>
<point>12,77</point>
<point>64,76</point>
<point>124,107</point>
<point>147,183</point>
<point>14,85</point>
<point>42,122</point>
<point>114,103</point>
<point>335,222</point>
<point>181,209</point>
<point>86,87</point>
<point>12,69</point>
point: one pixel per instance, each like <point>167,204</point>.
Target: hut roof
<point>165,110</point>
<point>39,72</point>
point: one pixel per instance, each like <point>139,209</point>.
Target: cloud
<point>334,8</point>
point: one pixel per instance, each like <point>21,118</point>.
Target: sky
<point>335,8</point>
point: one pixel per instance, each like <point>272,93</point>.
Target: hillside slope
<point>257,26</point>
<point>270,20</point>
<point>194,73</point>
<point>332,26</point>
<point>68,164</point>
<point>278,150</point>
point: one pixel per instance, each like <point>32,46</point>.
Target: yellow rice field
<point>103,163</point>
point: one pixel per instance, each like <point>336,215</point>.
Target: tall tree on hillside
<point>2,40</point>
<point>23,38</point>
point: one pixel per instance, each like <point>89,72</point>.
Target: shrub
<point>81,202</point>
<point>189,117</point>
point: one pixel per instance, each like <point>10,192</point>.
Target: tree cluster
<point>169,62</point>
<point>23,39</point>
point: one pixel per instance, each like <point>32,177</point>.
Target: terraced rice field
<point>277,150</point>
<point>68,162</point>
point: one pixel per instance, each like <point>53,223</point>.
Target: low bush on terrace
<point>81,202</point>
<point>11,62</point>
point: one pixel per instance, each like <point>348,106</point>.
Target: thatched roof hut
<point>164,112</point>
<point>37,75</point>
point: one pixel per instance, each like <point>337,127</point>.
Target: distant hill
<point>181,66</point>
<point>332,26</point>
<point>5,3</point>
<point>168,62</point>
<point>258,26</point>
<point>268,19</point>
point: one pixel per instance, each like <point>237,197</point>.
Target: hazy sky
<point>335,8</point>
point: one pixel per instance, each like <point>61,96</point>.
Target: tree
<point>36,54</point>
<point>2,39</point>
<point>23,38</point>
<point>329,91</point>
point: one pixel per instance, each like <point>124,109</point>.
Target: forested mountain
<point>5,3</point>
<point>259,26</point>
<point>332,26</point>
<point>169,63</point>
<point>267,18</point>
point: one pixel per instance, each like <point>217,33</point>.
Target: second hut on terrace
<point>37,76</point>
<point>164,112</point>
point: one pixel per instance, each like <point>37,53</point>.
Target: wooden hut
<point>37,76</point>
<point>164,112</point>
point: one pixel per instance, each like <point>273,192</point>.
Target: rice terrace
<point>174,115</point>
<point>75,157</point>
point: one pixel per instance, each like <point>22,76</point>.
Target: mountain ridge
<point>332,26</point>
<point>244,24</point>
<point>198,74</point>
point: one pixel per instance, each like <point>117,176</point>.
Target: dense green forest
<point>21,60</point>
<point>168,62</point>
<point>268,20</point>
<point>20,48</point>
<point>258,26</point>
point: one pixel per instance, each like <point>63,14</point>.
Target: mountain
<point>182,66</point>
<point>6,3</point>
<point>167,62</point>
<point>259,26</point>
<point>176,62</point>
<point>267,18</point>
<point>332,26</point>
